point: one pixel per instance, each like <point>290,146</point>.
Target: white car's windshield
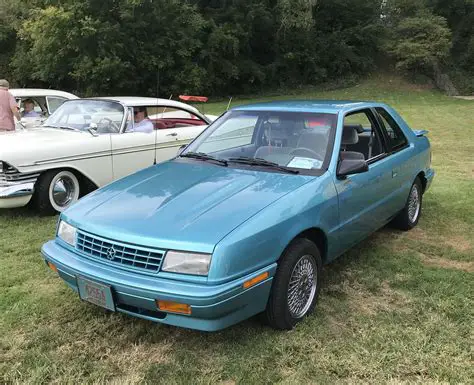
<point>295,140</point>
<point>82,114</point>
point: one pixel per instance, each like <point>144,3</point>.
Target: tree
<point>112,46</point>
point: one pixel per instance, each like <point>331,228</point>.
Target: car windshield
<point>293,140</point>
<point>100,115</point>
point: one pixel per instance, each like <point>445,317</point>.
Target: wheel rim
<point>64,191</point>
<point>302,286</point>
<point>414,204</point>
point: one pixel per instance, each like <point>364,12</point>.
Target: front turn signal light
<point>255,280</point>
<point>173,307</point>
<point>52,267</point>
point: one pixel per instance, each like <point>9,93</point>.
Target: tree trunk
<point>443,82</point>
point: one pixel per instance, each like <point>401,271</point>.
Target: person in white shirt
<point>142,123</point>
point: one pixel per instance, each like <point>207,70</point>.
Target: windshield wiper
<point>262,162</point>
<point>203,156</point>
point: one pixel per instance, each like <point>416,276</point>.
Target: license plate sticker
<point>96,293</point>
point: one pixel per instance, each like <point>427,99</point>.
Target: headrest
<point>358,127</point>
<point>349,135</point>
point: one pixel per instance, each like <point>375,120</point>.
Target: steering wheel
<point>108,126</point>
<point>306,152</point>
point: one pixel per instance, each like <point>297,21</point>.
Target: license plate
<point>96,293</point>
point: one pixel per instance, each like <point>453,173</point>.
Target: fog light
<point>173,307</point>
<point>52,267</point>
<point>255,280</point>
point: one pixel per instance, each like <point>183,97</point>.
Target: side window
<point>168,117</point>
<point>54,102</point>
<point>32,108</point>
<point>360,134</point>
<point>394,132</point>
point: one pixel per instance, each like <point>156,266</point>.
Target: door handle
<point>172,134</point>
<point>394,173</point>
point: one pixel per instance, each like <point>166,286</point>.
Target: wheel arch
<point>318,237</point>
<point>86,184</point>
<point>423,180</point>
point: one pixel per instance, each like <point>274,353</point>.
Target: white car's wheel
<point>55,191</point>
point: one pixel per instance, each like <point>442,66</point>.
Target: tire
<point>67,191</point>
<point>409,216</point>
<point>302,255</point>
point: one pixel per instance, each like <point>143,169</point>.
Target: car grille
<point>10,176</point>
<point>128,256</point>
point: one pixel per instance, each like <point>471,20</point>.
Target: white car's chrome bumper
<point>16,195</point>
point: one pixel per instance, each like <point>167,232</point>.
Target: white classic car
<point>45,102</point>
<point>88,143</point>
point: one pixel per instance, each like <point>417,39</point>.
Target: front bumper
<point>16,195</point>
<point>214,307</point>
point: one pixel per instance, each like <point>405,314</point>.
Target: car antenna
<point>228,104</point>
<point>156,128</point>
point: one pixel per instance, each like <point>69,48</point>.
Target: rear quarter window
<point>394,133</point>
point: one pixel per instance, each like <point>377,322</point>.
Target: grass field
<point>397,308</point>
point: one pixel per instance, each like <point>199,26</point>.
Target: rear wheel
<point>409,216</point>
<point>55,191</point>
<point>295,286</point>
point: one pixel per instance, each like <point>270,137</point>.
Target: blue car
<point>243,219</point>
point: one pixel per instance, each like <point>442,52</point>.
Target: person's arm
<point>14,108</point>
<point>15,112</point>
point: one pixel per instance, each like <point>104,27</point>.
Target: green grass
<point>397,308</point>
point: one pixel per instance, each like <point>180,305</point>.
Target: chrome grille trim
<point>124,255</point>
<point>11,177</point>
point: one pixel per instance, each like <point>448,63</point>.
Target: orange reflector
<point>52,267</point>
<point>257,279</point>
<point>173,307</point>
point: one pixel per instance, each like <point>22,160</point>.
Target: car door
<point>132,150</point>
<point>175,127</point>
<point>362,196</point>
<point>400,160</point>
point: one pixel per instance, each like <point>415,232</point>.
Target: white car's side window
<point>54,102</point>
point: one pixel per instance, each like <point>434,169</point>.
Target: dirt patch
<point>363,301</point>
<point>446,263</point>
<point>464,97</point>
<point>459,243</point>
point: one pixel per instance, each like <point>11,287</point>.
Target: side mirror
<point>181,148</point>
<point>351,166</point>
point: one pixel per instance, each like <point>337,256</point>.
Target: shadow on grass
<point>21,212</point>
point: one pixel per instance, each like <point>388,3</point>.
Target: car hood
<point>38,144</point>
<point>180,204</point>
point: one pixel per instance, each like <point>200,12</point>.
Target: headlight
<point>186,263</point>
<point>67,233</point>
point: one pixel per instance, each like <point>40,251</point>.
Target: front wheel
<point>295,286</point>
<point>55,191</point>
<point>409,216</point>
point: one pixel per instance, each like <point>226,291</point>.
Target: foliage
<point>420,42</point>
<point>224,47</point>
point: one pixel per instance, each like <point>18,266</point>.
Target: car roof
<point>29,92</point>
<point>310,105</point>
<point>136,101</point>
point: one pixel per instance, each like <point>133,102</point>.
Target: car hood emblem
<point>111,253</point>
